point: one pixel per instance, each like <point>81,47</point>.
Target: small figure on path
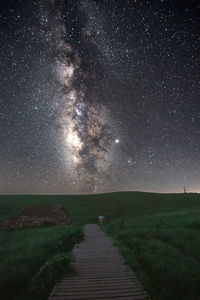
<point>101,219</point>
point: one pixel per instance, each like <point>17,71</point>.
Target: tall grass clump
<point>163,250</point>
<point>34,259</point>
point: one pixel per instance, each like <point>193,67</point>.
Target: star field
<point>99,96</point>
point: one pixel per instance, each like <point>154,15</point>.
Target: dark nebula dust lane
<point>99,96</point>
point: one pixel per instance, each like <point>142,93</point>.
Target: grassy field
<point>33,259</point>
<point>163,250</point>
<point>86,208</point>
<point>158,234</point>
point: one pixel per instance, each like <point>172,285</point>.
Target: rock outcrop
<point>38,215</point>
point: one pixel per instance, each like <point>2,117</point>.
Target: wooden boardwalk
<point>102,274</point>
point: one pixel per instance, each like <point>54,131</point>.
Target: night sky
<point>99,96</point>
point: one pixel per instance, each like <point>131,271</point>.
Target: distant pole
<point>184,188</point>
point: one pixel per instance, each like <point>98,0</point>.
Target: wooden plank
<point>96,297</point>
<point>95,287</point>
<point>81,283</point>
<point>113,293</point>
<point>108,279</point>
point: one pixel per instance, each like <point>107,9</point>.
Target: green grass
<point>33,259</point>
<point>158,234</point>
<point>86,208</point>
<point>163,250</point>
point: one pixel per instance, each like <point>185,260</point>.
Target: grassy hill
<point>86,208</point>
<point>158,234</point>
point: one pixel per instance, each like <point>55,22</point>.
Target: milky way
<point>85,126</point>
<point>99,96</point>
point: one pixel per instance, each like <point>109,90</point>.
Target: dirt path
<point>102,274</point>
